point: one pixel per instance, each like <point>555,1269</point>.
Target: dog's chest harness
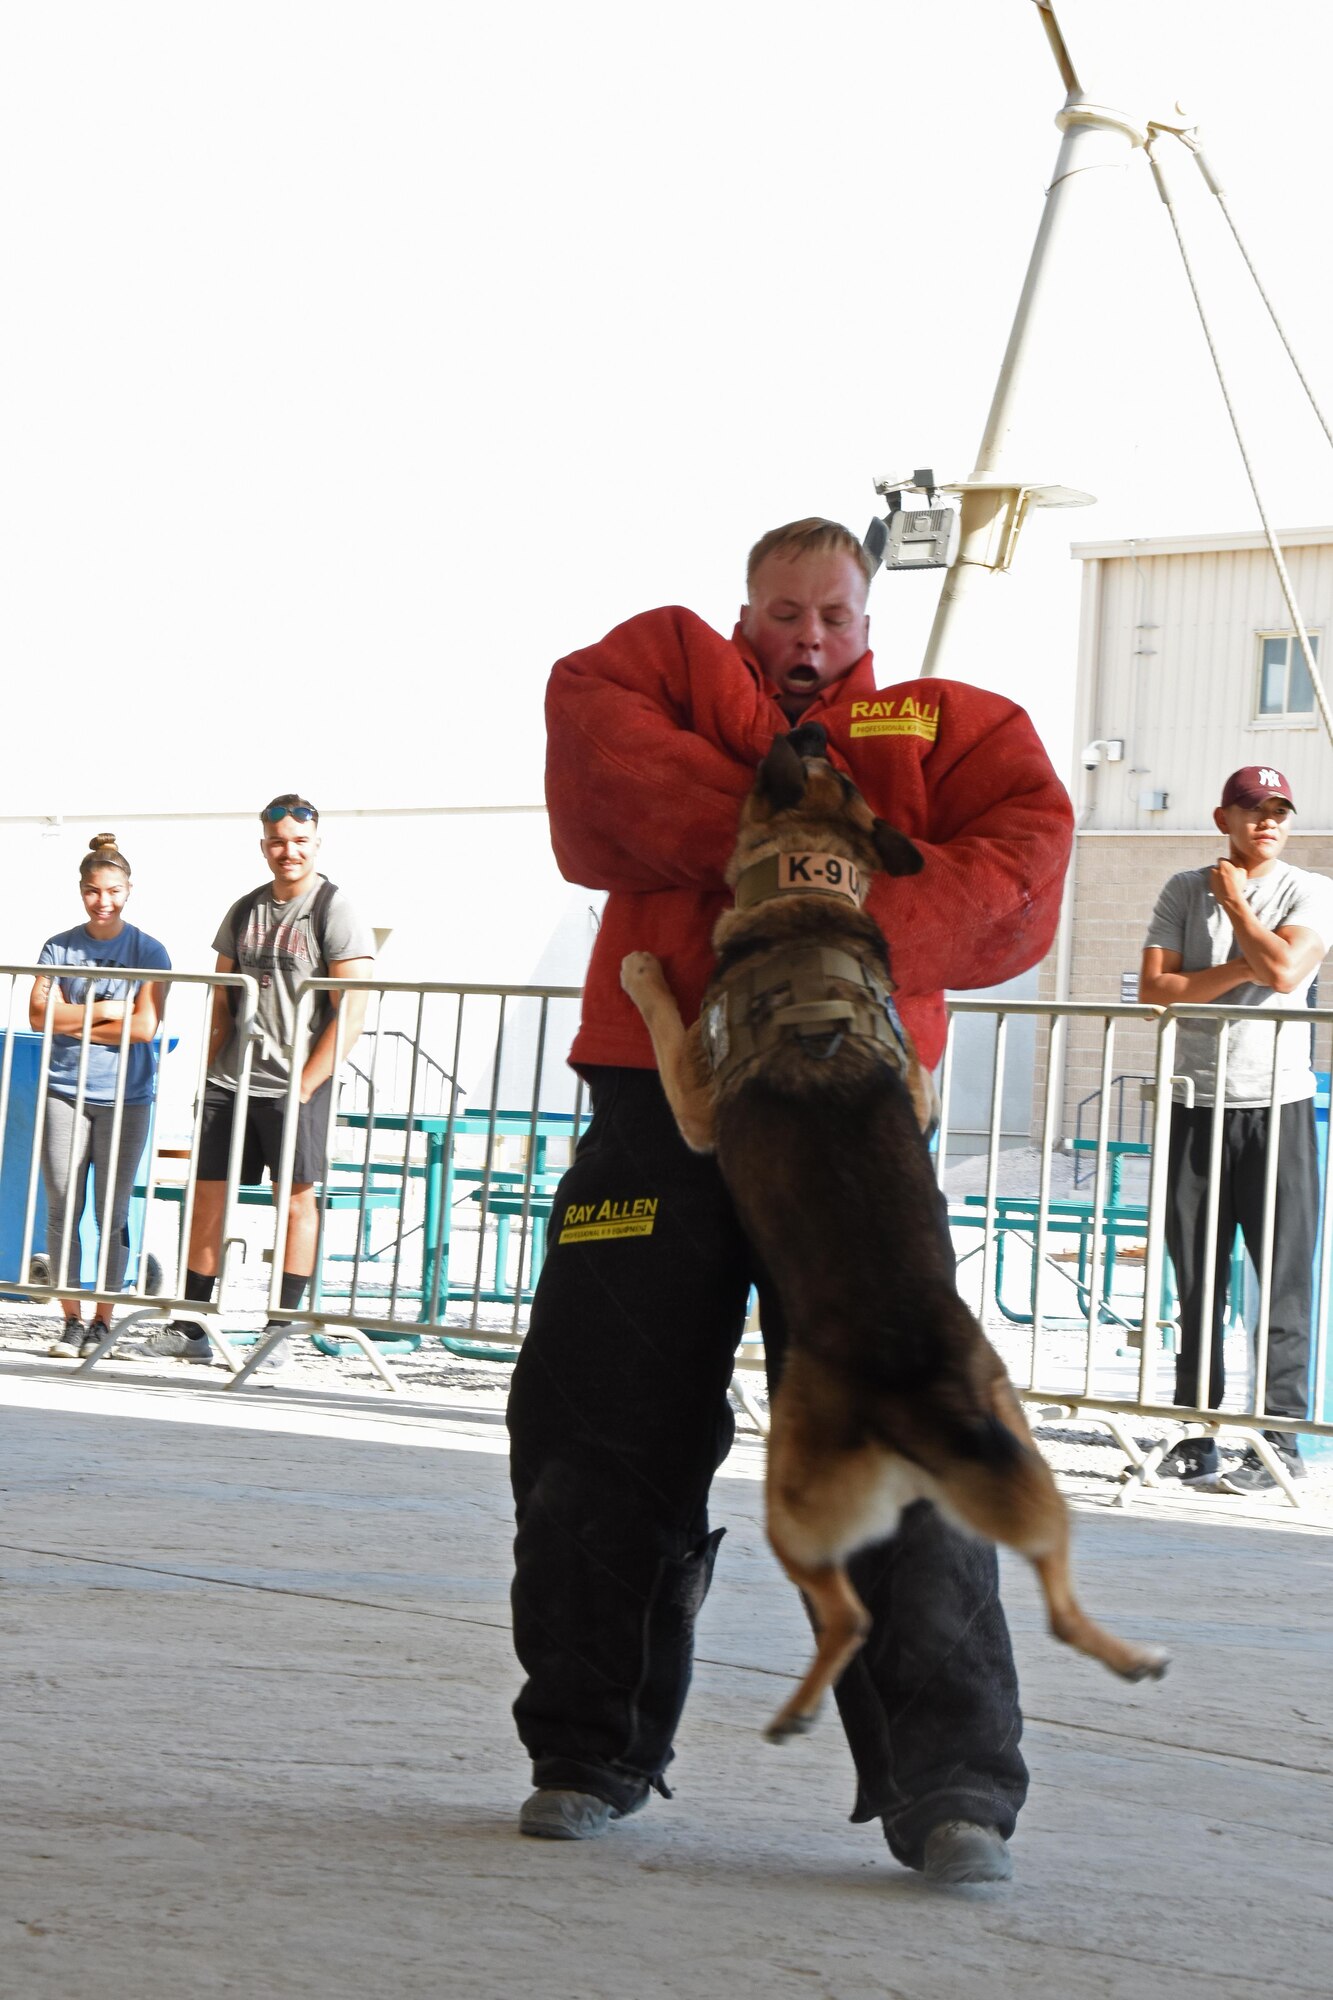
<point>788,996</point>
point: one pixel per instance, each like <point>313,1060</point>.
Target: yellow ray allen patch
<point>596,1221</point>
<point>896,716</point>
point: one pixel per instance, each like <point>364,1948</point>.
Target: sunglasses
<point>272,814</point>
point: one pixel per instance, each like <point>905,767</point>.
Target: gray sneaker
<point>551,1814</point>
<point>69,1346</point>
<point>959,1851</point>
<point>174,1343</point>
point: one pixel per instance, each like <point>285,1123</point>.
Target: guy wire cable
<point>1188,140</point>
<point>1279,565</point>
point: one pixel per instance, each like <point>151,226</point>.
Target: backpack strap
<point>240,922</point>
<point>319,925</point>
<point>319,920</point>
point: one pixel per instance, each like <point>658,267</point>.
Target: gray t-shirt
<point>280,950</point>
<point>1190,920</point>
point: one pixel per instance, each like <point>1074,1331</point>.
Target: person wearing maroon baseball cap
<point>1254,785</point>
<point>1249,930</point>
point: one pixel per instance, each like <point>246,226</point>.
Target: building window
<point>1285,688</point>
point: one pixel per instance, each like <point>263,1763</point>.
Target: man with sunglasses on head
<point>298,927</point>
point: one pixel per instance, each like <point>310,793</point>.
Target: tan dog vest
<point>788,995</point>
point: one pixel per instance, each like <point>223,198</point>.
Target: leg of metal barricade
<point>370,1348</point>
<point>755,1411</point>
<point>1271,1459</point>
<point>152,1314</point>
<point>263,1346</point>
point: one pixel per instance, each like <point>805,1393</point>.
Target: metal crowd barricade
<point>444,1150</point>
<point>429,1161</point>
<point>1105,1357</point>
<point>57,1272</point>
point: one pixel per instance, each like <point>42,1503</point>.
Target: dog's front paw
<point>638,971</point>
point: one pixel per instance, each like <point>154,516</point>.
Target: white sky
<point>356,362</point>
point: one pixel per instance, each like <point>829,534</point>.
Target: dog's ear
<point>781,779</point>
<point>809,740</point>
<point>896,851</point>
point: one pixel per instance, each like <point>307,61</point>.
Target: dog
<point>799,1076</point>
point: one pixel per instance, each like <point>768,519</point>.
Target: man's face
<point>289,846</point>
<point>1257,833</point>
<point>806,620</point>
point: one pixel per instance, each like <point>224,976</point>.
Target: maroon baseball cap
<point>1254,783</point>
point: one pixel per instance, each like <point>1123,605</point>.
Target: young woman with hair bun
<point>84,980</point>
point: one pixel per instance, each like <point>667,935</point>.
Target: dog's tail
<point>935,1433</point>
<point>988,1442</point>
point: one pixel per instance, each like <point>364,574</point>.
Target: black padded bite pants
<point>618,1420</point>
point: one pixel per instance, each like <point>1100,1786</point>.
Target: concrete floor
<point>256,1677</point>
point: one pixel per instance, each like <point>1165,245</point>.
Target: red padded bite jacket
<point>654,735</point>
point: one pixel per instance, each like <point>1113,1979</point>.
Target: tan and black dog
<point>799,1076</point>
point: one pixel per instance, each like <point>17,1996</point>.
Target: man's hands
<point>1283,959</point>
<point>1227,883</point>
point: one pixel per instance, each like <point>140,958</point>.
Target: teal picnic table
<point>504,1192</point>
<point>1016,1215</point>
<point>1122,1222</point>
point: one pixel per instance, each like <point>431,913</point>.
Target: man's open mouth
<point>803,677</point>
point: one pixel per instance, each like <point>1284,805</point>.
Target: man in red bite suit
<point>619,1414</point>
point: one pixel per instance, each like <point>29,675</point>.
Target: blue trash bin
<point>20,1124</point>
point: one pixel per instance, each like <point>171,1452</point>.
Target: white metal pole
<point>1093,135</point>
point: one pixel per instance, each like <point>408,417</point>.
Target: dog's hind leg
<point>1019,1504</point>
<point>842,1623</point>
<point>681,1064</point>
<point>1070,1622</point>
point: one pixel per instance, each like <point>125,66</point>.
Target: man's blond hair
<point>811,537</point>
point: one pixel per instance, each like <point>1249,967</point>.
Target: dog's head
<point>800,800</point>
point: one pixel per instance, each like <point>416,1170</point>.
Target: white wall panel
<point>1184,695</point>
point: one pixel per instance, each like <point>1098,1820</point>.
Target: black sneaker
<point>93,1336</point>
<point>1253,1476</point>
<point>1191,1461</point>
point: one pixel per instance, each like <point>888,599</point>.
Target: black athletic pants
<point>1241,1202</point>
<point>618,1419</point>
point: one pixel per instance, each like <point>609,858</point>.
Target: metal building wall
<point>1174,665</point>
